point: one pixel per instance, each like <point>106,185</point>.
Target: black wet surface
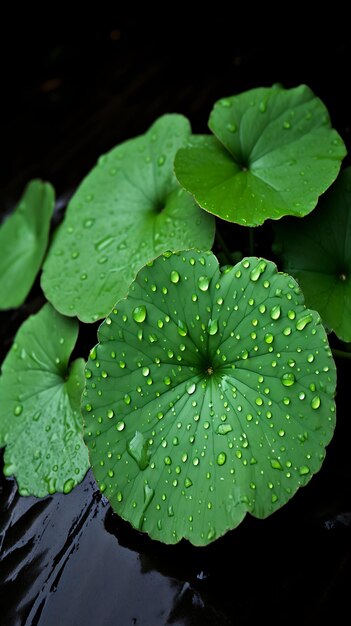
<point>69,560</point>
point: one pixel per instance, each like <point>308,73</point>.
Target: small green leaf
<point>23,241</point>
<point>190,431</point>
<point>273,154</point>
<point>317,251</point>
<point>127,211</point>
<point>40,421</point>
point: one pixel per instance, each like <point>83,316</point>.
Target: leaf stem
<point>251,242</point>
<point>341,354</point>
<point>222,244</point>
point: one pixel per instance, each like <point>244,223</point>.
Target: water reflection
<point>69,560</point>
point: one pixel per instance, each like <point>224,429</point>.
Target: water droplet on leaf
<point>315,402</point>
<point>303,321</point>
<point>139,314</point>
<point>175,277</point>
<point>221,458</point>
<point>212,327</point>
<point>203,283</point>
<point>258,270</point>
<point>137,447</point>
<point>288,379</point>
<point>68,486</point>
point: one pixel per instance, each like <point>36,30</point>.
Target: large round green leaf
<point>209,395</point>
<point>23,240</point>
<point>40,421</point>
<point>128,210</point>
<point>317,251</point>
<point>273,154</point>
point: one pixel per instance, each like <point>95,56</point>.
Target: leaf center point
<point>159,206</point>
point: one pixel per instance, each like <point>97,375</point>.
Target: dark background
<point>69,93</point>
<point>72,91</point>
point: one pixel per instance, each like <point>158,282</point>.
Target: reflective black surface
<point>69,560</point>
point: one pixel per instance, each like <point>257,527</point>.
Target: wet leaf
<point>317,251</point>
<point>274,152</point>
<point>127,211</point>
<point>207,398</point>
<point>23,241</point>
<point>40,421</point>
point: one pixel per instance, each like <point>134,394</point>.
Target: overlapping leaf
<point>40,421</point>
<point>23,241</point>
<point>274,152</point>
<point>128,210</point>
<point>317,251</point>
<point>209,395</point>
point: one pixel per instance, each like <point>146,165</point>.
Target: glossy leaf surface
<point>23,241</point>
<point>317,251</point>
<point>272,154</point>
<point>127,211</point>
<point>40,421</point>
<point>209,395</point>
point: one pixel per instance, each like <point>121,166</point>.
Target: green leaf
<point>40,421</point>
<point>127,211</point>
<point>207,398</point>
<point>273,154</point>
<point>23,241</point>
<point>317,251</point>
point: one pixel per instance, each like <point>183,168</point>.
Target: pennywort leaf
<point>23,241</point>
<point>208,396</point>
<point>317,251</point>
<point>128,210</point>
<point>40,421</point>
<point>273,153</point>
